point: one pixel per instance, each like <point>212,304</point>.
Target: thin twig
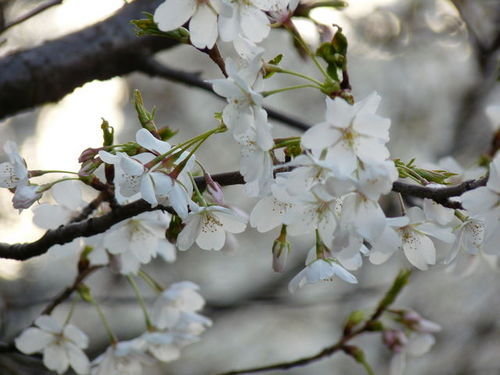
<point>348,335</point>
<point>39,9</point>
<point>153,68</point>
<point>66,293</point>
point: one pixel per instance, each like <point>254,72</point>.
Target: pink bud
<point>395,339</point>
<point>214,189</point>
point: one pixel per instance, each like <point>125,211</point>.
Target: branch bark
<point>50,71</point>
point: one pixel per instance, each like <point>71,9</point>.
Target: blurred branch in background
<point>39,9</point>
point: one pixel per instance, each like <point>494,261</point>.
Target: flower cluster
<point>175,324</point>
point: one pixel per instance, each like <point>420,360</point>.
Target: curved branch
<point>93,226</point>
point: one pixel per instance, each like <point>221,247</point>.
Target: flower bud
<point>281,248</point>
<point>395,339</point>
<point>214,189</point>
<point>415,322</point>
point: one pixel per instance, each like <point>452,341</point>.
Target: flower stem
<point>293,30</point>
<point>289,88</point>
<point>297,74</point>
<point>140,299</point>
<point>156,286</point>
<point>111,334</point>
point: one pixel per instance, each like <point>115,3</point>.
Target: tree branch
<point>39,9</point>
<point>348,335</point>
<point>93,226</point>
<point>50,71</point>
<point>155,69</point>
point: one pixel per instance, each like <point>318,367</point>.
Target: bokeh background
<point>435,85</point>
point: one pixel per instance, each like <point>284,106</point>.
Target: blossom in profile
<point>320,269</point>
<point>61,345</point>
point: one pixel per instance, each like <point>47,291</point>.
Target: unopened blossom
<point>61,345</point>
<point>248,19</point>
<point>139,239</point>
<point>180,298</point>
<point>415,341</point>
<point>320,270</point>
<point>244,109</point>
<point>202,16</point>
<point>207,226</point>
<point>350,133</point>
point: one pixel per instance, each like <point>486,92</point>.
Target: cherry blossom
<point>137,240</point>
<point>207,227</point>
<point>246,19</point>
<point>61,345</point>
<point>14,171</point>
<point>122,358</point>
<point>178,299</point>
<point>350,133</point>
<point>203,29</point>
<point>320,270</point>
<point>244,109</point>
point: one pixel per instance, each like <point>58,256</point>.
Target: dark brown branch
<point>155,69</point>
<point>93,226</point>
<point>50,71</point>
<point>66,293</point>
<point>39,9</point>
<point>439,194</point>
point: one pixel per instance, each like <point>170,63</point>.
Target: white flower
<point>485,200</point>
<point>61,345</point>
<point>244,109</point>
<point>178,299</point>
<point>315,210</point>
<point>25,195</point>
<point>139,239</point>
<point>207,227</point>
<point>133,179</point>
<point>123,358</point>
<point>270,211</point>
<point>410,233</point>
<point>320,270</point>
<point>469,238</point>
<point>417,246</point>
<point>14,170</point>
<point>350,132</point>
<point>67,195</point>
<point>437,213</point>
<point>363,215</point>
<point>256,166</point>
<point>203,30</point>
<point>493,112</point>
<point>246,19</point>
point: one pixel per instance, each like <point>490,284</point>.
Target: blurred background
<point>435,82</point>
